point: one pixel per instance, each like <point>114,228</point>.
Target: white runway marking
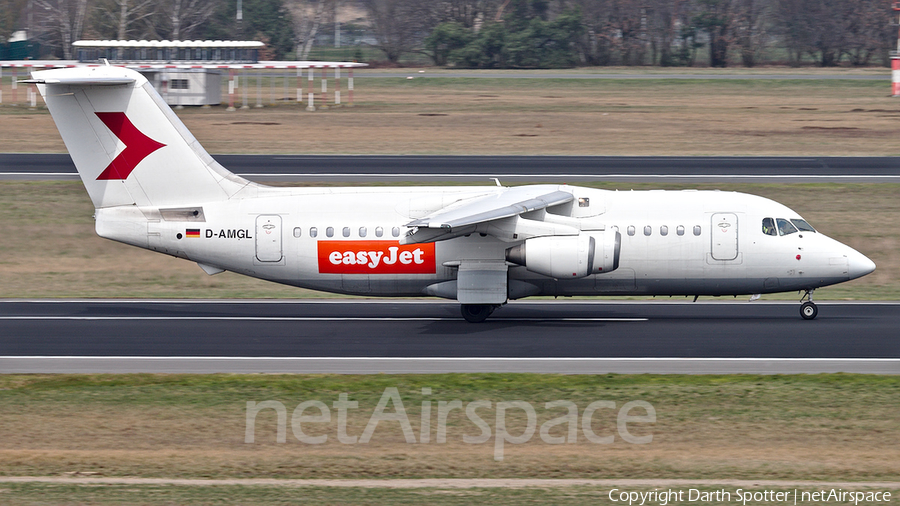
<point>304,318</point>
<point>441,365</point>
<point>570,177</point>
<point>453,175</point>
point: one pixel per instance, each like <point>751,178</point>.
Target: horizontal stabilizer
<point>83,81</point>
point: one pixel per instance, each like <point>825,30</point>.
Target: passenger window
<point>785,227</point>
<point>313,231</point>
<point>680,230</point>
<point>663,230</point>
<point>329,231</point>
<point>697,230</point>
<point>345,232</point>
<point>379,231</point>
<point>630,229</point>
<point>362,231</point>
<point>298,231</point>
<point>768,226</point>
<point>395,231</point>
<point>648,230</point>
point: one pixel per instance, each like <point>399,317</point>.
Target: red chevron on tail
<point>137,145</point>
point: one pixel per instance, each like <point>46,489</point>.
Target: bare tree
<point>399,26</point>
<point>627,31</point>
<point>66,21</point>
<point>716,18</point>
<point>749,28</point>
<point>185,16</point>
<point>10,10</point>
<point>124,19</point>
<point>869,31</point>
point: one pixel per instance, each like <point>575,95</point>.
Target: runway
<point>520,74</point>
<point>356,336</point>
<point>510,169</point>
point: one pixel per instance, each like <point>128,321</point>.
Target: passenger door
<point>268,238</point>
<point>724,228</point>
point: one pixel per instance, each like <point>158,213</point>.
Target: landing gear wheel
<point>476,313</point>
<point>808,310</point>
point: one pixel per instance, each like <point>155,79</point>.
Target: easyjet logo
<point>375,257</point>
<point>137,145</point>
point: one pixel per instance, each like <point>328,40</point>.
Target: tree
<point>545,44</point>
<point>262,19</point>
<point>527,36</point>
<point>445,39</point>
<point>123,19</point>
<point>795,28</point>
<point>306,20</point>
<point>869,30</point>
<point>399,26</point>
<point>10,11</point>
<point>749,29</point>
<point>184,17</point>
<point>627,32</point>
<point>66,20</point>
<point>715,19</point>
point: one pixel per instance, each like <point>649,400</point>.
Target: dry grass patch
<point>837,427</point>
<point>544,116</point>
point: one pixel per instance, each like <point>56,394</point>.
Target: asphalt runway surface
<point>509,169</point>
<point>365,73</point>
<point>430,336</point>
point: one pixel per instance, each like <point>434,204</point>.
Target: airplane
<point>153,186</point>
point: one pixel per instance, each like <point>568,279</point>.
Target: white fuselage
<point>347,240</point>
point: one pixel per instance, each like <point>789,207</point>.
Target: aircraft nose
<point>859,265</point>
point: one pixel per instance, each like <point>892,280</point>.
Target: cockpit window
<point>768,226</point>
<point>785,227</point>
<point>802,225</point>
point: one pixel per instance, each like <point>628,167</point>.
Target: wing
<point>461,217</point>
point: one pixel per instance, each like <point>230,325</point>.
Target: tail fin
<point>127,144</point>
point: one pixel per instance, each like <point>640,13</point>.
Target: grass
<point>539,116</point>
<point>823,428</point>
<point>25,494</point>
<point>54,252</point>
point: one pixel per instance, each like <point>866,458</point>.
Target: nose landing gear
<point>808,310</point>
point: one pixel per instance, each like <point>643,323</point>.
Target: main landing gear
<point>476,313</point>
<point>808,310</point>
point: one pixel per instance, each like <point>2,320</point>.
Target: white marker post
<point>350,86</point>
<point>230,90</point>
<point>337,86</point>
<point>310,106</point>
<point>299,85</point>
<point>258,90</point>
<point>324,88</point>
<point>244,89</point>
<point>895,76</point>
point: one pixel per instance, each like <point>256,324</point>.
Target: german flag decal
<point>192,232</point>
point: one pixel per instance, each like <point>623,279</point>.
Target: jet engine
<point>569,256</point>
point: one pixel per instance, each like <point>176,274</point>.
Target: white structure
<point>168,51</point>
<point>189,72</point>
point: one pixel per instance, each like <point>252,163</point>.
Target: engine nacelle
<point>569,256</point>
